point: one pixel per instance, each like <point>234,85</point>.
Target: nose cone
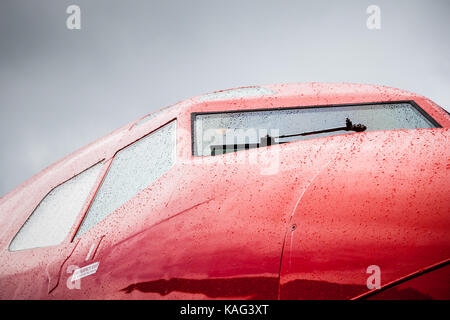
<point>384,200</point>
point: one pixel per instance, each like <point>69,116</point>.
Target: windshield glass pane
<point>233,130</point>
<point>52,219</point>
<point>133,169</point>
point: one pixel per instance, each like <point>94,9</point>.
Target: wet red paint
<point>250,287</point>
<point>434,285</point>
<point>210,230</point>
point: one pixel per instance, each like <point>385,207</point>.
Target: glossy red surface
<point>430,286</point>
<point>303,221</point>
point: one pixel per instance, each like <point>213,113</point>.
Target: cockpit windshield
<point>223,132</point>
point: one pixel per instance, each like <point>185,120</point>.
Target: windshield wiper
<point>349,126</point>
<point>269,140</point>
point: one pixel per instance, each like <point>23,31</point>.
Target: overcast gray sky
<point>61,89</point>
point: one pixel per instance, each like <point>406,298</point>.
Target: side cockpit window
<point>223,132</point>
<point>55,215</point>
<point>132,170</point>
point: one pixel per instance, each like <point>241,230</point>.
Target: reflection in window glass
<point>248,127</point>
<point>132,170</point>
<point>52,219</point>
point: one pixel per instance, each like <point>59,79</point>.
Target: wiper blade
<point>349,126</point>
<point>269,140</point>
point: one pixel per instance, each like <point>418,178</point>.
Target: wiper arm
<point>349,126</point>
<point>269,140</point>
